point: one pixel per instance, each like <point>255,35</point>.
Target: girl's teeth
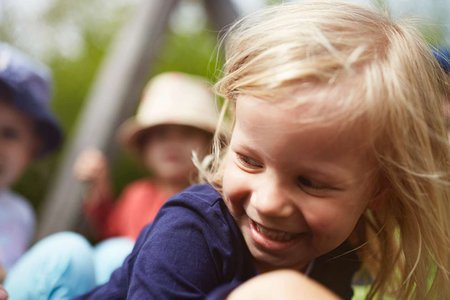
<point>275,235</point>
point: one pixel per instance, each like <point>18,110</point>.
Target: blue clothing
<point>110,255</point>
<point>194,249</point>
<point>67,266</point>
<point>17,223</point>
<point>58,268</point>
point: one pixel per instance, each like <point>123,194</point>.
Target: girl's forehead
<point>258,116</point>
<point>312,105</point>
<point>315,94</point>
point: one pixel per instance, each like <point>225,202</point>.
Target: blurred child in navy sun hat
<point>443,57</point>
<point>30,86</point>
<point>28,131</point>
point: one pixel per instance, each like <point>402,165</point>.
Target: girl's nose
<point>271,199</point>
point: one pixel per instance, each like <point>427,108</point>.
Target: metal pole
<point>113,97</point>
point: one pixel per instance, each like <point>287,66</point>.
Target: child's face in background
<point>296,193</point>
<point>168,151</point>
<point>17,143</point>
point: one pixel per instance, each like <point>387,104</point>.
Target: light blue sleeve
<point>17,226</point>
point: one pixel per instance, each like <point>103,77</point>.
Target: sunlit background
<point>49,28</point>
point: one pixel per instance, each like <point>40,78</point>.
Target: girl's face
<point>17,143</point>
<point>296,193</point>
<point>168,151</point>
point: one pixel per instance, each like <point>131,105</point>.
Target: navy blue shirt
<point>194,250</point>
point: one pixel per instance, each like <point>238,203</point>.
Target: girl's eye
<point>311,184</point>
<point>249,162</point>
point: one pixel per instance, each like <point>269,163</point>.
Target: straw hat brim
<point>130,133</point>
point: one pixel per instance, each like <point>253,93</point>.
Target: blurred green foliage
<point>73,77</point>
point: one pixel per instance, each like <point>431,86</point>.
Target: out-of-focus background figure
<point>177,117</point>
<point>443,57</point>
<point>28,132</point>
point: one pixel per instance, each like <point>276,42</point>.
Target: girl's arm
<point>190,249</point>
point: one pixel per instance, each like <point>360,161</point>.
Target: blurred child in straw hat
<point>176,117</point>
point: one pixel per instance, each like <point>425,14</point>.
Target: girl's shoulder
<point>200,207</point>
<point>198,195</point>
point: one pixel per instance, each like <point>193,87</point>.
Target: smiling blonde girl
<point>337,162</point>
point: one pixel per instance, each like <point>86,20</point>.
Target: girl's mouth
<point>276,235</point>
<point>272,239</point>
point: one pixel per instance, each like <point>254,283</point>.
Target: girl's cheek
<point>233,191</point>
<point>235,207</point>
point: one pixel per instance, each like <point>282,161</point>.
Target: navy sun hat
<point>30,84</point>
<point>442,55</point>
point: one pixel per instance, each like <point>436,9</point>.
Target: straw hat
<point>171,98</point>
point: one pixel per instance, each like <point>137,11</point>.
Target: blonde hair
<point>392,83</point>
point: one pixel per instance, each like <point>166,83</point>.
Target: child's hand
<point>283,284</point>
<point>3,293</point>
<point>91,166</point>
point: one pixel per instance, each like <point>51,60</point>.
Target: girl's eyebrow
<point>245,150</point>
<point>236,145</point>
